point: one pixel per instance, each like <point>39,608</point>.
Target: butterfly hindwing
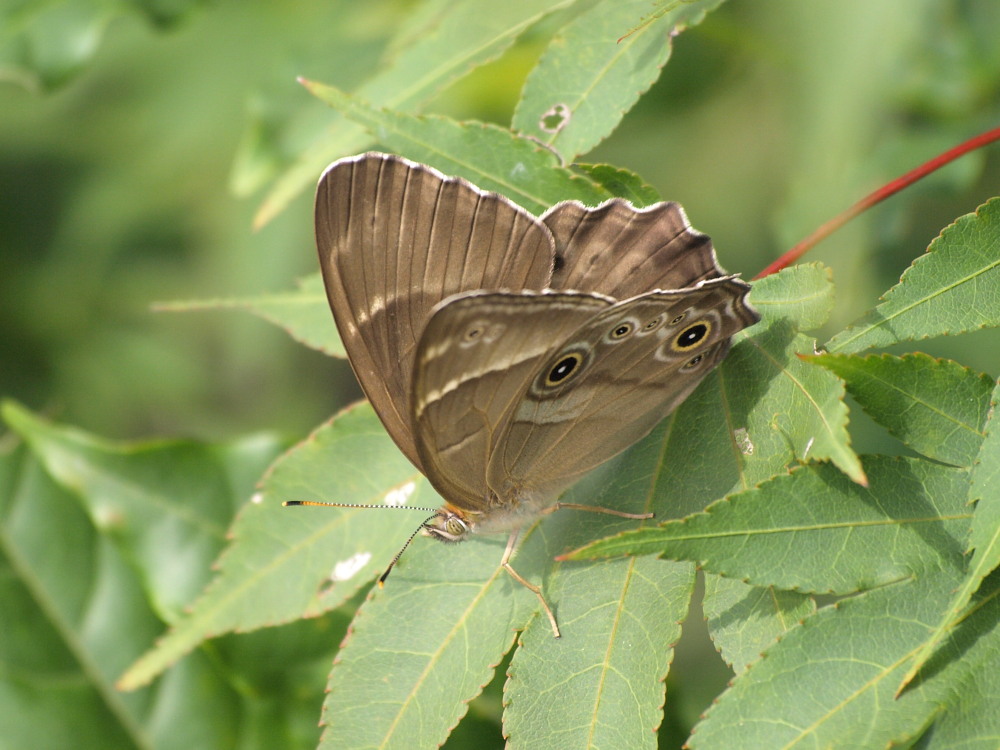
<point>623,251</point>
<point>460,412</point>
<point>609,383</point>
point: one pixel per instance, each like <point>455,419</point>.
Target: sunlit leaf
<point>848,660</point>
<point>612,672</point>
<point>744,620</point>
<point>286,563</point>
<point>805,296</point>
<point>815,531</point>
<point>589,77</point>
<point>984,539</point>
<point>467,35</point>
<point>936,407</point>
<point>303,312</point>
<point>953,288</point>
<point>488,156</point>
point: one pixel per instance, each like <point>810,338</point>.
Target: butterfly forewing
<point>460,413</point>
<point>394,239</point>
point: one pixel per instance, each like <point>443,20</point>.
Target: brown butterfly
<point>507,355</point>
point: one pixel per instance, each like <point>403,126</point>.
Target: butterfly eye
<point>446,527</point>
<point>456,526</point>
<point>692,335</point>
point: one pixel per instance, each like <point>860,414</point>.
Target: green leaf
<point>469,607</point>
<point>278,567</point>
<point>467,34</point>
<point>814,531</point>
<point>984,538</point>
<point>661,8</point>
<point>52,665</point>
<point>736,429</point>
<point>616,664</point>
<point>744,620</point>
<point>936,407</point>
<point>808,407</point>
<point>847,660</point>
<point>160,500</point>
<point>77,609</point>
<point>967,715</point>
<point>53,42</point>
<point>303,312</point>
<point>586,80</point>
<point>597,605</point>
<point>43,46</point>
<point>433,636</point>
<point>804,295</point>
<point>801,404</point>
<point>488,156</point>
<point>953,288</point>
<point>286,563</point>
<point>984,541</point>
<point>621,183</point>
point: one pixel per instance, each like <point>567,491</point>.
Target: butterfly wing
<point>611,381</point>
<point>394,239</point>
<point>623,251</point>
<point>476,357</point>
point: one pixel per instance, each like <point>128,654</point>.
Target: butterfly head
<point>448,525</point>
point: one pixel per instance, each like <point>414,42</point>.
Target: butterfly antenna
<point>381,579</point>
<point>289,503</point>
<point>388,570</point>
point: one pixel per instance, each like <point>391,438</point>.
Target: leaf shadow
<point>980,620</point>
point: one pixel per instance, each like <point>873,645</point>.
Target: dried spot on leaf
<point>555,118</point>
<point>400,495</point>
<point>742,438</point>
<point>345,570</point>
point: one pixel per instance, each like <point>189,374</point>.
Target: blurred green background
<point>137,140</point>
<point>130,174</point>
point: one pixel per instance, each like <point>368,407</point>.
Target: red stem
<point>877,197</point>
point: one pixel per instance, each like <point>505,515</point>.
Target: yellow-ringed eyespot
<point>622,330</point>
<point>694,362</point>
<point>563,368</point>
<point>562,371</point>
<point>652,325</point>
<point>691,336</point>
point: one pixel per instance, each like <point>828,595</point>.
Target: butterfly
<point>506,354</point>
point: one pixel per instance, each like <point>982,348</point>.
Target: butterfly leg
<point>596,509</point>
<point>505,564</point>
